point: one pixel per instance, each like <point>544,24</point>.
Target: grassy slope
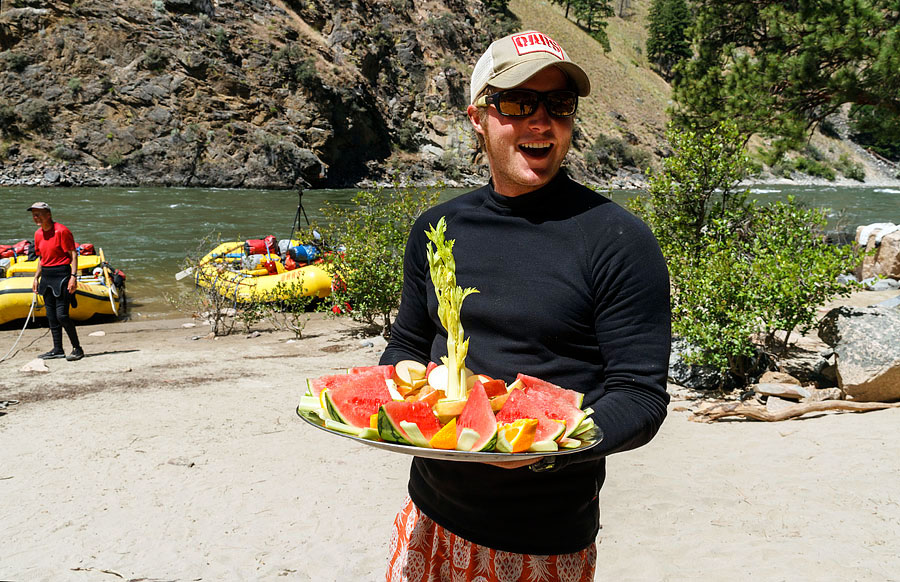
<point>622,81</point>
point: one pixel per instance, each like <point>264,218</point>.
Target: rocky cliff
<point>250,93</point>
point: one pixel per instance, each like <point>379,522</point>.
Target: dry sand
<point>159,457</point>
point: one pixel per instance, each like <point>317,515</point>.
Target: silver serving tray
<point>590,439</point>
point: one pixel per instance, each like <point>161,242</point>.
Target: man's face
<point>517,168</point>
<point>40,216</point>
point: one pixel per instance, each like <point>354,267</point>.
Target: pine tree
<point>780,68</point>
<point>667,42</point>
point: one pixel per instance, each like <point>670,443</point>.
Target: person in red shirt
<point>56,278</point>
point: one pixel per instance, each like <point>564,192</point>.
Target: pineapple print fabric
<point>423,551</point>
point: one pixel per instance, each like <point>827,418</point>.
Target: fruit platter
<point>404,408</point>
<point>445,410</point>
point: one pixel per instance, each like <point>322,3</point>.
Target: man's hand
<point>73,282</point>
<point>34,283</point>
<point>515,464</point>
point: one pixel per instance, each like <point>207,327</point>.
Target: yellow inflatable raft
<point>96,293</point>
<point>237,276</point>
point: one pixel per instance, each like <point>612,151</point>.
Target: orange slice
<point>517,436</point>
<point>445,438</point>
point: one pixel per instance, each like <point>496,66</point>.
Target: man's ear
<point>475,119</point>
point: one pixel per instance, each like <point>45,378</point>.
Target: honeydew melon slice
<point>466,439</point>
<point>370,434</point>
<point>309,403</point>
<point>415,435</point>
<point>543,447</point>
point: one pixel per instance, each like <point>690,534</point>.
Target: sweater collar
<point>531,200</point>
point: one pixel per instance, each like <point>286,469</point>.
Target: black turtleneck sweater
<point>573,290</point>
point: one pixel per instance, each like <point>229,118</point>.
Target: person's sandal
<point>76,354</point>
<point>53,354</point>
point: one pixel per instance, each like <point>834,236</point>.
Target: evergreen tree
<point>667,42</point>
<point>780,68</point>
<point>591,15</point>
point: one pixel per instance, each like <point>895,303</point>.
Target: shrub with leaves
<point>368,273</point>
<point>740,271</point>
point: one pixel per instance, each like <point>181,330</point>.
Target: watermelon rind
<point>341,427</point>
<point>389,431</point>
<point>466,439</point>
<point>586,425</point>
<point>546,446</point>
<point>332,410</point>
<point>415,434</point>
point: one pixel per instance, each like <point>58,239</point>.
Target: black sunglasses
<point>524,102</point>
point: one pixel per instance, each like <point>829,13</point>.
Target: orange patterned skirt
<point>423,551</point>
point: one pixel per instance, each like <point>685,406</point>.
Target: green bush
<point>155,59</point>
<point>814,168</point>
<point>850,169</point>
<point>373,231</point>
<point>15,62</point>
<point>8,118</point>
<point>35,114</point>
<point>612,153</point>
<point>741,272</point>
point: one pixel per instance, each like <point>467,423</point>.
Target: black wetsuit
<point>573,290</point>
<point>53,286</point>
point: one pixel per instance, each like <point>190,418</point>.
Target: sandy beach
<point>163,457</point>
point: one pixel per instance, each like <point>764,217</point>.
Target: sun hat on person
<point>39,206</point>
<point>513,59</point>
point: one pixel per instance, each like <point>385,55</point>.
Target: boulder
<point>884,240</point>
<point>867,351</point>
<point>787,391</point>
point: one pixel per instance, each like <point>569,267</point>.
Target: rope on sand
<point>30,311</point>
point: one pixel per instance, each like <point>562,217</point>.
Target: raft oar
<point>184,273</point>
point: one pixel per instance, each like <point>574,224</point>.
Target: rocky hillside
<point>275,93</point>
<point>251,93</point>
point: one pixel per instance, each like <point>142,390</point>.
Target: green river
<point>147,232</point>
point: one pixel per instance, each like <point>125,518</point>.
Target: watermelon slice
<point>478,416</point>
<point>393,415</point>
<point>316,385</point>
<point>530,383</point>
<point>356,398</point>
<point>519,405</point>
<point>556,408</point>
<point>387,370</point>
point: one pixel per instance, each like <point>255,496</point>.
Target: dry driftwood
<point>758,412</point>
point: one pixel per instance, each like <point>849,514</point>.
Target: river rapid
<point>147,232</point>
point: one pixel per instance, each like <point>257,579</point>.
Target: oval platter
<point>591,439</point>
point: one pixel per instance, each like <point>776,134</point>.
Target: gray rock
<point>35,365</point>
<point>691,375</point>
<point>790,391</point>
<point>865,340</point>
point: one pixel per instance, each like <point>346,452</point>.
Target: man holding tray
<point>573,289</point>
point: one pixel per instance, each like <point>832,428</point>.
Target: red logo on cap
<point>535,42</point>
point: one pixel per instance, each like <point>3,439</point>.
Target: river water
<point>147,232</point>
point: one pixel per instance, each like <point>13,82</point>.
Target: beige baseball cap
<point>514,59</point>
<point>39,206</point>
